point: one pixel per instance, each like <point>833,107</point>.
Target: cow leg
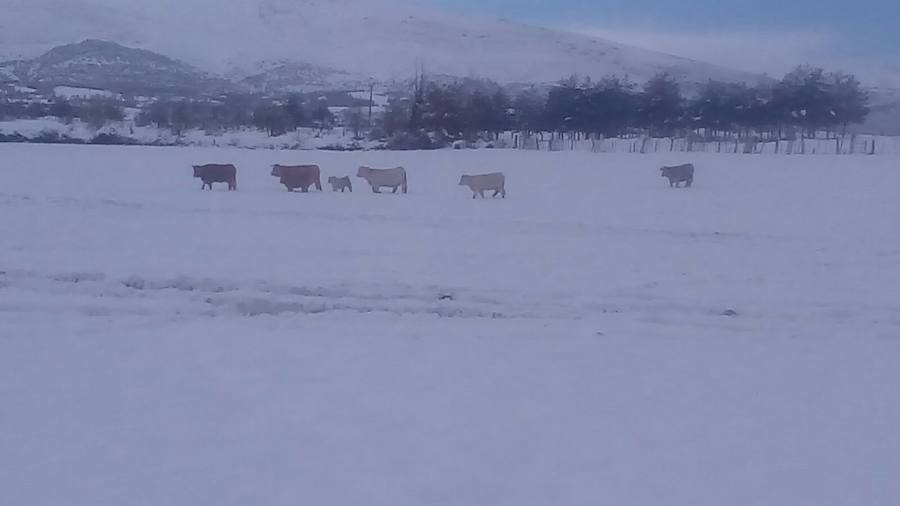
<point>496,192</point>
<point>376,189</point>
<point>395,190</point>
<point>305,189</point>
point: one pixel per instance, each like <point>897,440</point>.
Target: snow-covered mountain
<point>110,66</point>
<point>285,43</point>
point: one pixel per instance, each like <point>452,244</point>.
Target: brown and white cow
<point>339,184</point>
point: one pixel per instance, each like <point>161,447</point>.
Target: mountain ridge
<point>106,65</point>
<point>337,41</point>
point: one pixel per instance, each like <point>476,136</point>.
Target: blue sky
<point>759,35</point>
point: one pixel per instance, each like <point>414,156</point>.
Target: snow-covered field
<point>595,338</point>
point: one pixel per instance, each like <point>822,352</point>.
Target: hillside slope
<point>110,66</point>
<point>358,39</point>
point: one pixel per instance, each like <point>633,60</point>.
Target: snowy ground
<point>77,130</point>
<point>160,345</point>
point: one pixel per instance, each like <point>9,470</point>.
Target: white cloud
<point>773,52</point>
<point>770,51</point>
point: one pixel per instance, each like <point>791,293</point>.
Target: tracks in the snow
<point>96,294</point>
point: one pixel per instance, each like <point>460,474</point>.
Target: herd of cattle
<point>303,177</point>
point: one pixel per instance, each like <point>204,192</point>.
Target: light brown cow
<point>298,176</point>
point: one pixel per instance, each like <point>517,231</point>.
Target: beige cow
<point>384,178</point>
<point>495,182</point>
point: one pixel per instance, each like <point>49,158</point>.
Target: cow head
<point>465,180</point>
<point>332,180</point>
<point>364,172</point>
<point>276,171</point>
<point>198,171</point>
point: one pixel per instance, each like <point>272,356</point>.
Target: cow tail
<point>405,186</point>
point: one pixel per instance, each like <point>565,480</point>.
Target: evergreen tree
<point>660,109</point>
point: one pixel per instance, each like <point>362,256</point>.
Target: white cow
<point>495,182</point>
<point>384,178</point>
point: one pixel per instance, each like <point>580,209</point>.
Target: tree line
<point>806,101</point>
<point>95,112</point>
<point>432,114</point>
<point>275,116</point>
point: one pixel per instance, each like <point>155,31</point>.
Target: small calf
<point>340,184</point>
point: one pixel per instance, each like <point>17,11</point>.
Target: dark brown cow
<point>298,176</point>
<point>679,174</point>
<point>217,173</point>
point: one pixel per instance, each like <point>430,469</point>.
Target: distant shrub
<point>111,139</point>
<point>353,146</point>
<point>408,141</point>
<point>16,137</point>
<point>50,137</point>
